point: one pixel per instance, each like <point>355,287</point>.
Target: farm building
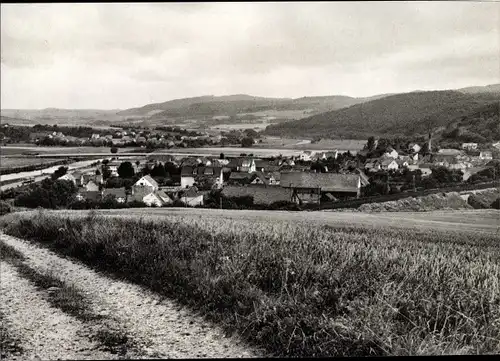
<point>192,198</point>
<point>260,194</point>
<point>118,193</point>
<point>312,187</point>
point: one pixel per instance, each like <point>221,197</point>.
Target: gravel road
<point>159,328</point>
<point>45,331</point>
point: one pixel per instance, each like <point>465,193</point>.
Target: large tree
<point>247,142</point>
<point>126,170</point>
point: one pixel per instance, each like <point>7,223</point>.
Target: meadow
<point>299,289</point>
<point>19,162</point>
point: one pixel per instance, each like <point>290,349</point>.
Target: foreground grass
<point>298,290</point>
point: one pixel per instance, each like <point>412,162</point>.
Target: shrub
<point>5,208</point>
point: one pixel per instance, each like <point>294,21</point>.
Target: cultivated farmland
<point>298,289</point>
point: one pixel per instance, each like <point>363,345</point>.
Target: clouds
<point>124,55</point>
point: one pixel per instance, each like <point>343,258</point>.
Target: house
<point>486,155</point>
<point>373,165</point>
<point>260,194</point>
<point>389,164</point>
<point>402,163</point>
<point>414,147</point>
<point>306,156</point>
<point>91,187</point>
<point>192,175</point>
<point>164,197</point>
<point>241,177</point>
<point>187,176</point>
<point>192,198</point>
<point>497,145</point>
<point>242,165</point>
<point>259,178</point>
<point>91,196</point>
<point>147,182</point>
<point>247,165</point>
<point>286,162</point>
<point>364,178</point>
<point>425,168</point>
<point>68,177</point>
<point>85,178</point>
<point>391,153</point>
<point>152,199</point>
<point>310,187</point>
<point>273,178</point>
<point>458,165</point>
<point>469,146</point>
<point>449,152</point>
<point>119,194</point>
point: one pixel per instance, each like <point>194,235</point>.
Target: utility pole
<point>414,188</point>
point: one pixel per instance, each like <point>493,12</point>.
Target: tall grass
<point>302,290</point>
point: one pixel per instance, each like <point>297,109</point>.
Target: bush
<point>5,208</point>
<point>48,194</point>
<point>496,204</point>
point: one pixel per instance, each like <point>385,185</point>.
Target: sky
<point>118,56</point>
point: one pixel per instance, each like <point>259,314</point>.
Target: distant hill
<point>493,88</point>
<point>210,105</point>
<point>400,114</point>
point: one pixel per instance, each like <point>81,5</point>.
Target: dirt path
<point>44,331</point>
<point>160,328</point>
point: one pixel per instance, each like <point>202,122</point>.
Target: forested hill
<point>400,114</point>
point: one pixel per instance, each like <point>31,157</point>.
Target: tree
<point>59,172</point>
<point>251,133</point>
<point>247,142</point>
<point>159,171</point>
<point>114,150</point>
<point>97,172</point>
<point>221,156</point>
<point>126,170</point>
<point>370,145</point>
<point>106,172</point>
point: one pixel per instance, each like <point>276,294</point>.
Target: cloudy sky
<point>109,56</point>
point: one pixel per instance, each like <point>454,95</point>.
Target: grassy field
<point>465,221</point>
<point>18,150</point>
<point>338,288</point>
<point>16,162</point>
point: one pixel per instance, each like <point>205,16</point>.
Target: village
<point>308,178</point>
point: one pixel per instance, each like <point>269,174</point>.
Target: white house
<point>486,155</point>
<point>152,199</point>
<point>147,181</point>
<point>192,198</point>
<point>497,145</point>
<point>306,156</point>
<point>470,146</point>
<point>91,186</point>
<point>391,153</point>
<point>389,164</point>
<point>68,177</point>
<point>414,147</point>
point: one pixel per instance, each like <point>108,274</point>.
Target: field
<point>11,162</point>
<point>16,150</point>
<point>336,284</point>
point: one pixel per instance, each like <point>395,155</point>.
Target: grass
<point>9,344</point>
<point>70,300</point>
<point>301,290</point>
<point>19,162</point>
